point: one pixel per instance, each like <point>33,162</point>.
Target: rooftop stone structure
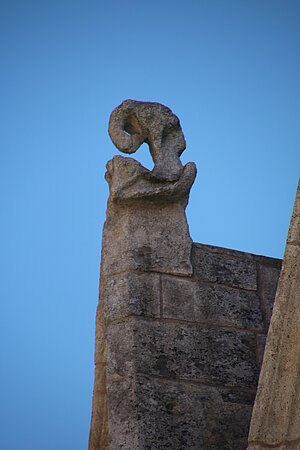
<point>180,326</point>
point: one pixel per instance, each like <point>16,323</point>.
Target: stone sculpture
<point>179,326</point>
<point>133,123</point>
<point>145,232</point>
<point>139,196</point>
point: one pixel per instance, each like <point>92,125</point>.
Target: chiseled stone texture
<point>178,298</point>
<point>123,424</point>
<point>212,303</point>
<point>228,306</point>
<point>134,122</point>
<point>146,227</point>
<point>184,352</point>
<point>184,416</point>
<point>152,413</point>
<point>132,293</point>
<point>230,270</point>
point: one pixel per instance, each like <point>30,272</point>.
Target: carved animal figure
<point>134,122</point>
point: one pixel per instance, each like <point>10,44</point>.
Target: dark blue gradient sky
<point>229,69</point>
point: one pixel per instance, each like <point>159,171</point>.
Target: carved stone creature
<point>145,234</point>
<point>132,123</point>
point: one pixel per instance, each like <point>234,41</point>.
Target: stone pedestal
<point>145,234</point>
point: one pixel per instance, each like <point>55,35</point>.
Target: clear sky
<point>230,70</point>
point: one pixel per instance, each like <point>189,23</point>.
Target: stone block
<point>178,298</point>
<point>122,415</point>
<point>150,239</point>
<point>223,305</point>
<point>131,294</point>
<point>156,414</point>
<point>115,243</point>
<point>121,351</point>
<point>268,279</point>
<point>185,416</point>
<point>182,351</point>
<point>159,240</point>
<point>224,269</point>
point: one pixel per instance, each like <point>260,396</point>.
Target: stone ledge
<point>265,260</point>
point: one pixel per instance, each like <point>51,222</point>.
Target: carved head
<point>133,123</point>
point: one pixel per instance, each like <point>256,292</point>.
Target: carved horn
<point>124,129</point>
<point>134,122</point>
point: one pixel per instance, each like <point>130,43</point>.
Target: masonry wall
<point>184,352</point>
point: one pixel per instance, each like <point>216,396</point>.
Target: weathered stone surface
<point>224,305</point>
<point>178,297</point>
<point>181,351</point>
<point>131,183</point>
<point>211,303</point>
<point>152,235</point>
<point>268,279</point>
<point>276,415</point>
<point>145,231</point>
<point>99,433</point>
<point>229,252</point>
<point>172,416</point>
<point>238,254</point>
<point>224,269</point>
<point>189,417</point>
<point>132,294</point>
<point>166,248</point>
<point>133,123</point>
<point>122,413</point>
<point>178,344</point>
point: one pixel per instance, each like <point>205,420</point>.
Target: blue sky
<point>229,69</point>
